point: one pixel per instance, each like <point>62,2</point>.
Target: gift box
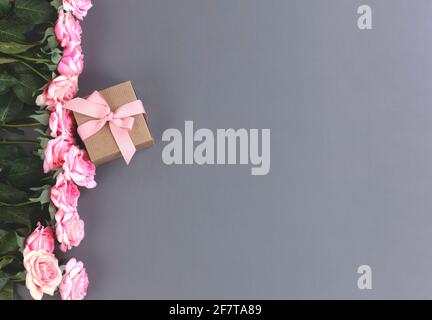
<point>103,146</point>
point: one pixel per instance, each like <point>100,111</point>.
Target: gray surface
<point>351,173</point>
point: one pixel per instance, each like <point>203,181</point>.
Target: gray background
<point>351,160</point>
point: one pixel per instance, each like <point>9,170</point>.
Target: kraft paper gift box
<point>101,146</point>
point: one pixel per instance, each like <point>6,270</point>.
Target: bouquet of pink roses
<point>40,50</point>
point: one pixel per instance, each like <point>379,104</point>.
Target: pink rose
<point>60,89</point>
<point>67,30</point>
<point>61,123</point>
<point>69,229</point>
<point>78,7</point>
<point>55,151</point>
<point>72,62</point>
<point>43,273</point>
<point>78,167</point>
<point>41,238</point>
<point>65,194</point>
<point>75,281</point>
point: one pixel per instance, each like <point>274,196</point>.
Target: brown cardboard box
<point>102,147</point>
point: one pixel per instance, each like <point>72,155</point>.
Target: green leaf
<point>52,67</point>
<point>14,48</point>
<point>20,240</point>
<point>15,216</point>
<point>19,68</point>
<point>4,279</point>
<point>42,118</point>
<point>13,130</point>
<point>43,198</point>
<point>22,231</point>
<point>48,32</point>
<point>43,133</point>
<point>40,188</point>
<point>40,153</point>
<point>4,60</point>
<point>24,115</point>
<point>25,172</point>
<point>5,6</point>
<point>8,291</point>
<point>19,276</point>
<point>34,11</point>
<point>52,211</point>
<point>10,107</point>
<point>9,194</point>
<point>6,81</point>
<point>13,31</point>
<point>43,141</point>
<point>8,241</point>
<point>24,71</point>
<point>56,3</point>
<point>6,260</point>
<point>51,42</point>
<point>26,83</point>
<point>56,56</point>
<point>8,152</point>
<point>14,265</point>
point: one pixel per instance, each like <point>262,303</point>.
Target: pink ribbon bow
<point>120,121</point>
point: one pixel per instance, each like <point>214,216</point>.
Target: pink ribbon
<point>120,121</point>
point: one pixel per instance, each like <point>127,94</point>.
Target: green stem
<point>22,204</point>
<point>30,58</point>
<point>36,71</point>
<point>20,125</point>
<point>19,142</point>
<point>49,178</point>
